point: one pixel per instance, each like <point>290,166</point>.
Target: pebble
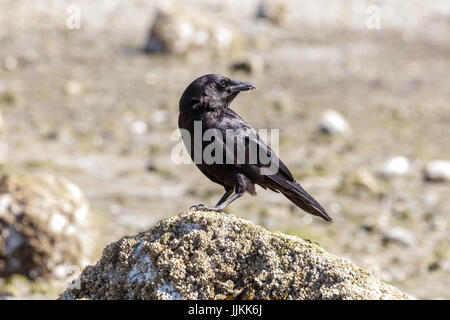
<point>273,11</point>
<point>139,127</point>
<point>10,63</point>
<point>160,116</point>
<point>400,236</point>
<point>333,123</point>
<point>396,166</point>
<point>437,170</point>
<point>73,88</point>
<point>361,178</point>
<point>249,64</point>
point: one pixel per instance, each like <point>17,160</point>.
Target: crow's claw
<point>201,206</point>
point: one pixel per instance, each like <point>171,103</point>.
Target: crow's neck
<point>212,115</point>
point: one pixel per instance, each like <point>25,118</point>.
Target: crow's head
<point>212,91</point>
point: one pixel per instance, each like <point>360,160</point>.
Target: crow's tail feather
<point>320,212</point>
<point>294,192</point>
<point>305,201</point>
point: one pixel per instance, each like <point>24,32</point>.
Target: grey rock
<point>210,255</point>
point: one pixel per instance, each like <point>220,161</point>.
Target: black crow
<point>205,105</point>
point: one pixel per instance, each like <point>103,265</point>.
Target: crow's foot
<point>202,207</point>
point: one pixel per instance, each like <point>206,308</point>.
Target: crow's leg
<point>242,184</point>
<point>229,200</point>
<point>223,202</point>
<point>228,192</point>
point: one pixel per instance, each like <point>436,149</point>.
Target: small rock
<point>10,63</point>
<point>209,255</point>
<point>138,127</point>
<point>435,265</point>
<point>368,227</point>
<point>159,116</point>
<point>73,88</point>
<point>151,167</point>
<point>333,123</point>
<point>437,170</point>
<point>249,64</point>
<point>6,96</point>
<point>360,178</point>
<point>429,199</point>
<point>180,30</point>
<point>272,10</point>
<point>45,226</point>
<point>396,166</point>
<point>400,236</point>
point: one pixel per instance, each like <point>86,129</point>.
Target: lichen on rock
<point>210,255</point>
<point>45,227</point>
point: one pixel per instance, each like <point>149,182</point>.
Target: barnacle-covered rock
<point>210,255</point>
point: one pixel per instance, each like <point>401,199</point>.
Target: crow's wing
<point>247,141</point>
<point>260,167</point>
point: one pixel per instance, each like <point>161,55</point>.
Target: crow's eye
<point>223,83</point>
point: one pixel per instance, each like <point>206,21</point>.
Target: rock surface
<point>44,226</point>
<point>209,255</point>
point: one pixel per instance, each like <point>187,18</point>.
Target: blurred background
<point>360,91</point>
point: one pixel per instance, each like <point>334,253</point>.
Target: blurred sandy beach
<point>85,102</point>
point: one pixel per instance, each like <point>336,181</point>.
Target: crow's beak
<point>237,86</point>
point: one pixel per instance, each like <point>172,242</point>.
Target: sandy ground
<point>73,100</point>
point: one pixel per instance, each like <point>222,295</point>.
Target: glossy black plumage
<point>207,100</point>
